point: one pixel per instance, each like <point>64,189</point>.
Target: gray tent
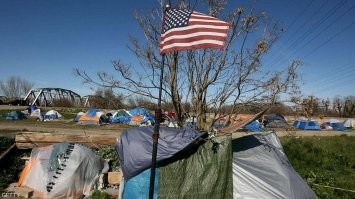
<point>261,170</point>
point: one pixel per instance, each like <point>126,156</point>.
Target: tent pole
<point>155,136</point>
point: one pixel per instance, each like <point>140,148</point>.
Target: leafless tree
<point>338,105</point>
<point>349,106</point>
<point>15,86</point>
<point>204,78</point>
<point>310,106</point>
<point>344,106</point>
<point>326,104</point>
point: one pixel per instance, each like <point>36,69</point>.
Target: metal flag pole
<point>155,136</point>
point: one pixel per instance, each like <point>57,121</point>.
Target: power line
<point>295,20</point>
<point>300,39</point>
<point>330,24</point>
<point>299,28</point>
<point>331,38</point>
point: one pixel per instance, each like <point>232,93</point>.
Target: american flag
<point>186,30</point>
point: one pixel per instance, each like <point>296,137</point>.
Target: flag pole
<point>155,136</point>
<point>158,118</point>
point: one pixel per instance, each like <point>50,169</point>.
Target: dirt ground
<point>72,128</point>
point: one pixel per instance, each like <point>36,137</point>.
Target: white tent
<point>349,123</point>
<point>262,170</point>
<point>37,114</point>
<point>64,170</point>
<point>52,114</point>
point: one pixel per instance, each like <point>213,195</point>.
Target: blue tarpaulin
<point>135,146</point>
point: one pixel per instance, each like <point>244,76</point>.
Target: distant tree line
<point>312,106</point>
<point>13,88</point>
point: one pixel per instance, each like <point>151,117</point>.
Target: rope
<point>337,188</point>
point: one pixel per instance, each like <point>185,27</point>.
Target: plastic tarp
<point>138,186</point>
<point>145,114</point>
<point>64,170</point>
<point>121,116</point>
<point>338,126</point>
<point>254,126</point>
<point>201,173</point>
<point>262,170</point>
<point>14,115</point>
<point>134,147</point>
<point>92,112</point>
<point>31,108</point>
<point>138,111</point>
<point>190,123</point>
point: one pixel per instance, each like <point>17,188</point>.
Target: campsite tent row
<point>137,116</point>
<point>36,113</point>
<point>332,124</point>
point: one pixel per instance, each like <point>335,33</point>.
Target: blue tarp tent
<point>253,126</point>
<point>135,146</point>
<point>15,115</point>
<point>121,116</point>
<point>146,114</point>
<point>335,124</point>
<point>307,125</point>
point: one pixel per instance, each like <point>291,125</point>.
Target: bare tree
<point>310,106</point>
<point>106,98</point>
<point>204,78</point>
<point>326,104</point>
<point>15,86</point>
<point>349,106</point>
<point>338,105</point>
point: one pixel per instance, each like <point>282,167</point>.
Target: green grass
<point>328,161</point>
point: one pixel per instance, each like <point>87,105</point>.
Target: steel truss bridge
<point>46,96</point>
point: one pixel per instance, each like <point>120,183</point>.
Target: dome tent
<point>93,116</point>
<point>52,114</point>
<point>307,124</point>
<point>349,123</point>
<point>335,124</point>
<point>64,170</point>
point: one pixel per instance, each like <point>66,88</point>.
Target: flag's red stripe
<point>196,38</point>
<point>193,30</point>
<point>210,20</point>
